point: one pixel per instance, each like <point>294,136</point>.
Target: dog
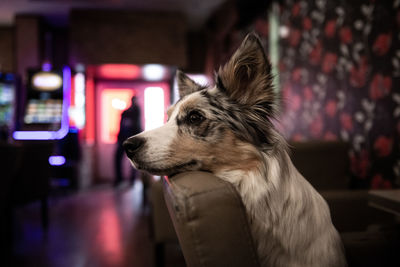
<point>228,129</point>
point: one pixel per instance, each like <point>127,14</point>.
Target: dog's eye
<point>195,117</point>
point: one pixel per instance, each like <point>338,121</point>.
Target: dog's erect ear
<point>185,84</point>
<point>246,78</point>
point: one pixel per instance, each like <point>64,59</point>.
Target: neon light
<point>46,66</point>
<point>79,109</point>
<point>51,135</point>
<point>111,116</point>
<point>119,71</point>
<point>33,135</point>
<point>90,106</point>
<point>56,160</point>
<point>153,107</point>
<point>47,81</point>
<point>153,72</point>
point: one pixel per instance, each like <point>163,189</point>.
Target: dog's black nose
<point>133,144</point>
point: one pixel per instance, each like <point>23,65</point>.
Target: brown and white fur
<point>227,130</point>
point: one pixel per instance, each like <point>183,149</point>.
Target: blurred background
<point>69,69</point>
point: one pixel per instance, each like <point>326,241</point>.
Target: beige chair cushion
<point>210,221</point>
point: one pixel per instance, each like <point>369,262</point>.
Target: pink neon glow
<point>90,107</point>
<point>118,71</point>
<point>109,235</point>
<point>111,113</point>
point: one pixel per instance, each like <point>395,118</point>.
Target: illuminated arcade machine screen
<point>46,111</point>
<point>7,96</point>
<point>44,101</point>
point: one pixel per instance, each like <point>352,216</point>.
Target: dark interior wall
<point>55,45</point>
<point>340,76</point>
<point>28,43</point>
<point>196,51</point>
<point>98,37</point>
<point>7,49</point>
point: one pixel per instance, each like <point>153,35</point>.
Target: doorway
<point>112,98</point>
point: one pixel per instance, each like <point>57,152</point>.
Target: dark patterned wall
<point>340,77</point>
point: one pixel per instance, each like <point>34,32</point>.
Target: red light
<point>72,101</point>
<point>90,107</point>
<point>118,71</point>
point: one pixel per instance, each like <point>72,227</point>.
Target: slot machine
<point>8,88</point>
<point>45,111</point>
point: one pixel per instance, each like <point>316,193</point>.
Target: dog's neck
<point>267,192</point>
<point>263,182</point>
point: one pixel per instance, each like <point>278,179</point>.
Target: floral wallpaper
<point>340,79</point>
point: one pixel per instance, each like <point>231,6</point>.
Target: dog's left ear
<point>185,84</point>
<point>246,78</point>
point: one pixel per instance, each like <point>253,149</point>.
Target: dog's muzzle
<point>132,145</point>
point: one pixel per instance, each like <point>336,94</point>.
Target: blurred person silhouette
<point>130,124</point>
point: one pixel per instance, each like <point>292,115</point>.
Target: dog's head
<point>214,128</point>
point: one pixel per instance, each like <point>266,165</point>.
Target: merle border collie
<point>228,129</point>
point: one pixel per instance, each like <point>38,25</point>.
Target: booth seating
<point>326,166</point>
<point>26,179</point>
<point>8,158</point>
<point>210,220</point>
<point>162,230</point>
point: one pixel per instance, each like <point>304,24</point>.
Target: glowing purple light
<point>56,160</point>
<point>46,66</point>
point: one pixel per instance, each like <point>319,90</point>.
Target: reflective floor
<point>100,227</point>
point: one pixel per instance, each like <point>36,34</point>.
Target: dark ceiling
<point>56,11</point>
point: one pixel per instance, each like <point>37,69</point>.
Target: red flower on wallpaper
<point>316,127</point>
<point>358,75</point>
<point>330,28</point>
<point>383,146</point>
<point>316,53</point>
<point>380,86</point>
<point>282,66</point>
<point>378,182</point>
<point>307,23</point>
<point>346,121</point>
<point>296,9</point>
<point>295,102</point>
<point>294,37</point>
<point>329,136</point>
<point>330,108</point>
<point>329,62</point>
<point>360,164</point>
<point>382,44</point>
<point>262,27</point>
<point>308,94</point>
<point>286,92</point>
<point>345,35</point>
<point>296,74</point>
